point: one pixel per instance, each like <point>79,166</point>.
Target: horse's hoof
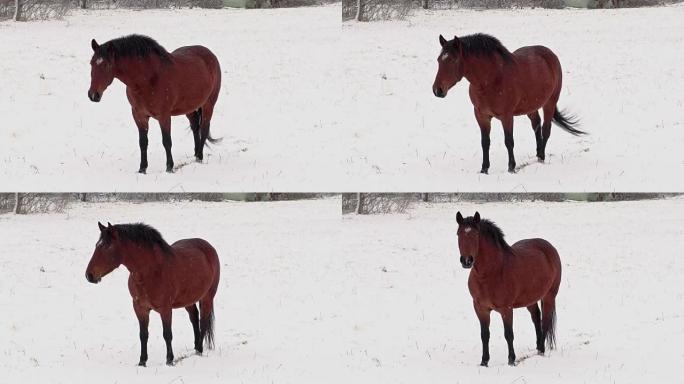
<point>170,363</point>
<point>483,364</point>
<point>169,169</point>
<point>142,170</point>
<point>484,171</point>
<point>511,362</point>
<point>142,364</point>
<point>511,169</point>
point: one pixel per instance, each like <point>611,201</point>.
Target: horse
<point>504,277</point>
<point>162,277</point>
<point>160,84</point>
<point>504,85</point>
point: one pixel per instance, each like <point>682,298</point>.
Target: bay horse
<point>162,277</point>
<point>160,84</point>
<point>504,85</point>
<point>505,276</point>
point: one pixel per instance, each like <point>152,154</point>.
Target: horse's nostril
<point>89,277</point>
<point>438,92</point>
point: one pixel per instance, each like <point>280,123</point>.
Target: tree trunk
<point>17,203</point>
<point>359,10</point>
<point>359,203</point>
<point>17,10</point>
<point>426,4</point>
<point>84,196</point>
<point>425,197</point>
<point>84,4</point>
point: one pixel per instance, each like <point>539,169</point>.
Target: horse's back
<point>196,244</point>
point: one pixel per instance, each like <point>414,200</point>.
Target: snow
<point>308,296</point>
<point>276,111</point>
<point>624,82</point>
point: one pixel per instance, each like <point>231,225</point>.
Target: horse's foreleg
<point>143,123</point>
<point>485,123</point>
<point>535,313</point>
<point>507,316</point>
<point>194,319</point>
<point>165,124</point>
<point>483,317</point>
<point>168,335</point>
<point>508,139</point>
<point>143,315</point>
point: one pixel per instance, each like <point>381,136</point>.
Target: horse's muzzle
<point>94,96</point>
<point>91,278</point>
<point>439,92</point>
<point>467,262</point>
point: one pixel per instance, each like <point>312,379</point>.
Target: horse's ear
<point>477,217</point>
<point>457,42</point>
<point>442,41</point>
<point>459,218</point>
<point>95,45</point>
<point>102,227</point>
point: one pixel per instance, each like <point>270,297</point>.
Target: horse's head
<point>107,255</point>
<point>468,238</point>
<point>450,69</point>
<point>101,71</point>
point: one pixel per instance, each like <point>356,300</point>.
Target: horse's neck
<point>135,73</point>
<point>483,71</point>
<point>491,260</point>
<point>141,261</point>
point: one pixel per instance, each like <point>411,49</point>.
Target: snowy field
<point>622,78</point>
<point>277,112</point>
<point>276,314</point>
<point>619,305</point>
<point>309,297</point>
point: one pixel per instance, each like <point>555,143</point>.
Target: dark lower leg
<point>484,335</point>
<point>142,140</point>
<point>535,313</point>
<point>144,336</point>
<point>194,319</point>
<point>546,132</point>
<point>168,335</point>
<point>485,151</point>
<point>166,140</point>
<point>507,316</point>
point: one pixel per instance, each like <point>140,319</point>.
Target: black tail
<point>551,331</point>
<point>209,333</point>
<point>567,122</point>
<point>212,140</point>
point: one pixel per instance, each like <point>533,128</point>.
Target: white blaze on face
<point>99,61</point>
<point>444,56</point>
<point>468,229</point>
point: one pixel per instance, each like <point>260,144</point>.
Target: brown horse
<point>160,84</point>
<point>504,85</point>
<point>504,277</point>
<point>162,277</point>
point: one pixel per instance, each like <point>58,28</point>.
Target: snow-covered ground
<point>277,111</point>
<point>308,296</point>
<point>622,77</point>
<point>276,312</point>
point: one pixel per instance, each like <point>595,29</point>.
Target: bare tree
<point>359,10</point>
<point>426,4</point>
<point>17,10</point>
<point>17,203</point>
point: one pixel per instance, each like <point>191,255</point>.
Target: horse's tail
<point>567,122</point>
<point>551,330</point>
<point>213,140</point>
<point>209,333</point>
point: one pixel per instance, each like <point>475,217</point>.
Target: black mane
<point>489,230</point>
<point>481,44</point>
<point>133,46</point>
<point>144,235</point>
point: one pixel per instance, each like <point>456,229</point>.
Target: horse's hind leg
<point>193,312</point>
<point>535,119</point>
<point>167,333</point>
<point>194,118</point>
<point>549,109</point>
<point>165,124</point>
<point>507,123</point>
<point>205,123</point>
<point>536,319</point>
